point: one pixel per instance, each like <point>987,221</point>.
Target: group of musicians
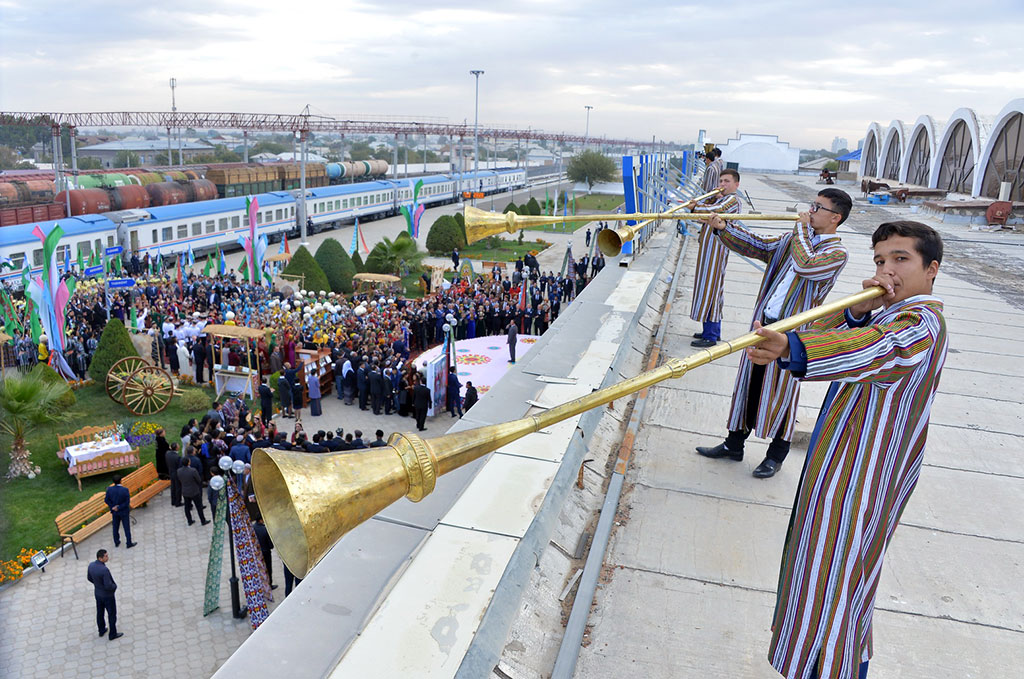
<point>883,357</point>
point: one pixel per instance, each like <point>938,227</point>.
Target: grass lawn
<point>29,507</point>
<point>410,284</point>
<point>599,201</point>
<point>506,250</point>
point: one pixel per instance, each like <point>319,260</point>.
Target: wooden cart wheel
<point>148,390</point>
<point>119,374</point>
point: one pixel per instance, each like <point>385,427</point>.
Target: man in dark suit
<point>266,548</point>
<point>266,402</point>
<point>379,442</point>
<point>362,384</point>
<point>420,403</point>
<point>512,339</point>
<point>192,490</point>
<point>471,396</point>
<point>453,396</point>
<point>173,458</point>
<point>104,586</point>
<point>120,502</point>
<point>376,382</point>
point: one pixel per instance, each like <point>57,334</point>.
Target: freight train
<point>26,197</point>
<point>205,225</point>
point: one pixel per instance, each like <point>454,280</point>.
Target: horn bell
<point>610,241</point>
<point>481,223</point>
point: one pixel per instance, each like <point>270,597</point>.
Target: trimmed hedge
<point>115,343</point>
<point>445,235</point>
<point>303,264</point>
<point>357,260</point>
<point>336,265</point>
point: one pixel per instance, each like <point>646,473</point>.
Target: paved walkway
<point>48,620</point>
<point>692,569</point>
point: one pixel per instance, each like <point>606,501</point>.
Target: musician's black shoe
<point>720,451</point>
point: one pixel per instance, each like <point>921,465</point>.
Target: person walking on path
<point>452,392</point>
<point>313,384</point>
<point>120,502</point>
<point>266,402</point>
<point>174,463</point>
<point>420,403</point>
<point>104,588</point>
<point>192,490</point>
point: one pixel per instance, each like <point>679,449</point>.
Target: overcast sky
<point>806,71</point>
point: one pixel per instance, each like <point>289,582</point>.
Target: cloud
<point>806,72</point>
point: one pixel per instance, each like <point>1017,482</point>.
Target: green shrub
<point>49,376</point>
<point>115,343</point>
<point>357,260</point>
<point>461,220</point>
<point>336,265</point>
<point>511,207</point>
<point>303,264</point>
<point>194,401</point>
<point>533,206</point>
<point>444,236</point>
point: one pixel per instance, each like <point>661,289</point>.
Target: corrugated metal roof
<point>144,145</point>
<point>853,155</point>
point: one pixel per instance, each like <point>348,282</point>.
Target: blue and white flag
<point>355,239</point>
<point>191,257</point>
<point>67,260</point>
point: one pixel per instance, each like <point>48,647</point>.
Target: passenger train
<point>205,226</point>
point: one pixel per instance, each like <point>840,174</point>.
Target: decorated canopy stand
<point>244,380</point>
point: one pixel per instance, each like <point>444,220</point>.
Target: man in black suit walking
<point>420,403</point>
<point>104,585</point>
<point>191,490</point>
<point>266,402</point>
<point>120,502</point>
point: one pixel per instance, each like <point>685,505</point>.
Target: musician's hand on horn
<point>864,308</point>
<point>775,345</point>
<point>716,222</point>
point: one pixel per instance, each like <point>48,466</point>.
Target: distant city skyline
<point>805,72</point>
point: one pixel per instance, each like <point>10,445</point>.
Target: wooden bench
<point>82,520</point>
<point>143,484</point>
<point>83,435</point>
<point>89,516</point>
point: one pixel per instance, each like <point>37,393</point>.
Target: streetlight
<point>476,128</point>
<point>586,135</point>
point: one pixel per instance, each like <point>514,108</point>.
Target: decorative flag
<point>222,266</point>
<point>524,293</point>
<point>260,274</point>
<point>249,243</point>
<point>547,202</point>
<point>11,322</point>
<point>8,263</point>
<point>50,296</point>
<point>181,284</point>
<point>250,560</point>
<point>67,259</point>
<point>361,239</point>
<point>355,240</point>
<point>95,259</point>
<point>286,248</point>
<point>574,203</point>
<point>414,211</point>
<point>117,264</point>
<point>284,244</point>
<point>209,265</point>
<point>81,261</point>
<point>243,270</point>
<point>135,318</point>
<point>159,261</point>
<point>211,600</point>
<point>106,265</point>
<point>191,257</point>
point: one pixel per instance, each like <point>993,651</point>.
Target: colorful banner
<point>211,600</point>
<point>414,211</point>
<point>251,568</point>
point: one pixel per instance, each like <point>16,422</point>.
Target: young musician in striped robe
<point>712,171</point>
<point>864,456</point>
<point>712,258</point>
<point>802,266</point>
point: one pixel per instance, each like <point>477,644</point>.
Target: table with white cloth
<point>82,452</point>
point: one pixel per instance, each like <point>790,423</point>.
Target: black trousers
<point>175,490</point>
<point>197,502</point>
<point>269,561</point>
<point>290,581</point>
<point>778,449</point>
<point>421,417</point>
<point>512,351</point>
<point>108,604</point>
<point>121,520</point>
<point>377,403</point>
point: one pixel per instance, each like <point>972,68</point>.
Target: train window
<point>291,211</point>
<point>344,204</point>
<point>110,241</point>
<point>259,217</point>
<point>222,224</point>
<point>234,222</point>
<point>211,226</point>
<point>62,252</point>
<point>168,234</point>
<point>85,247</point>
<point>182,231</point>
<point>18,259</point>
<point>245,219</point>
<point>154,239</point>
<point>197,228</point>
<point>278,216</point>
<point>37,257</point>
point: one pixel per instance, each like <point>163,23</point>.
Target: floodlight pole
<point>476,131</point>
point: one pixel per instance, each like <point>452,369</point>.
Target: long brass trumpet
<point>309,501</point>
<point>480,223</point>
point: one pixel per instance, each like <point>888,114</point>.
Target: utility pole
<point>476,130</point>
<point>586,135</point>
<point>174,109</point>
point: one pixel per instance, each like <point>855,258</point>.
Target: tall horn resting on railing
<point>309,501</point>
<point>480,223</point>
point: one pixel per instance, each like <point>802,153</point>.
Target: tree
<point>337,266</point>
<point>511,207</point>
<point>126,159</point>
<point>444,236</point>
<point>10,160</point>
<point>89,163</point>
<point>303,265</point>
<point>268,147</point>
<point>591,167</point>
<point>115,344</point>
<point>26,403</point>
<point>357,259</point>
<point>533,206</point>
<point>461,221</point>
<point>391,256</point>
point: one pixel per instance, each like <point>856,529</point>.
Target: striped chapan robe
<point>816,266</point>
<point>712,257</point>
<point>862,465</point>
<point>711,174</point>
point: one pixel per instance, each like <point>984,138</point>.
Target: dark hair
<point>927,241</point>
<point>380,433</point>
<point>116,479</point>
<point>841,200</point>
<point>358,434</point>
<point>100,553</point>
<point>717,152</point>
<point>732,173</point>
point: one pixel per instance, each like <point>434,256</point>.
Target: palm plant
<point>26,403</point>
<point>389,256</point>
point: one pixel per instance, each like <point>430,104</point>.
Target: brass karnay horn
<point>309,501</point>
<point>480,223</point>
